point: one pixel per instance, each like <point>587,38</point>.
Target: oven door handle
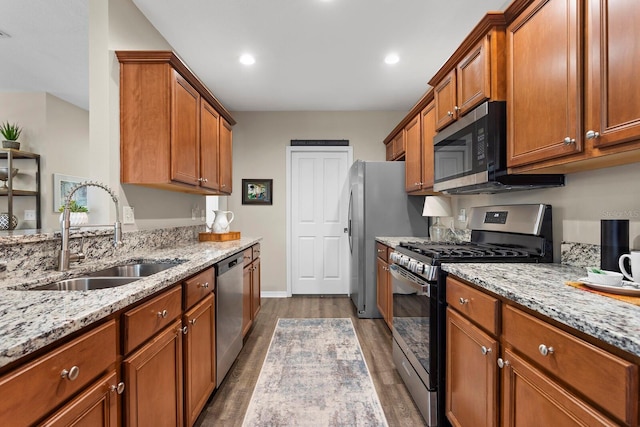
<point>410,280</point>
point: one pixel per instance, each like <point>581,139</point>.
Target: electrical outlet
<point>29,215</point>
<point>127,215</point>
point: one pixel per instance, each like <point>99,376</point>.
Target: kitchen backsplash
<point>31,253</point>
<point>580,254</point>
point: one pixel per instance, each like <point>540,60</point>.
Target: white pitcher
<point>634,261</point>
<point>221,221</point>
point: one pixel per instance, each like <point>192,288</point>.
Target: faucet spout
<point>65,255</point>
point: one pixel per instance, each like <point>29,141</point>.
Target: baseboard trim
<point>273,294</point>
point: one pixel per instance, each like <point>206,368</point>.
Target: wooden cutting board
<point>219,237</point>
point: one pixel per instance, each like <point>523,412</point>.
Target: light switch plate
<point>462,215</point>
<point>29,215</point>
<point>127,215</point>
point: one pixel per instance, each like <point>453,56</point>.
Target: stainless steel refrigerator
<point>378,206</point>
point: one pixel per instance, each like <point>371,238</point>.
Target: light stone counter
<point>542,288</point>
<point>30,320</point>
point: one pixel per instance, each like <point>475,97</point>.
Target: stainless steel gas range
<point>511,233</point>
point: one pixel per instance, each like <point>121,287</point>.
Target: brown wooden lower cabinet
<point>95,407</point>
<point>532,399</point>
<point>199,358</point>
<point>251,287</point>
<point>384,292</point>
<point>548,376</point>
<point>472,374</point>
<point>153,376</point>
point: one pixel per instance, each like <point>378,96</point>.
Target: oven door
<point>414,324</point>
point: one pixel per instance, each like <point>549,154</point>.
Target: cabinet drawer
<point>142,322</point>
<point>476,305</point>
<point>247,256</point>
<point>32,391</point>
<point>256,251</point>
<point>198,287</point>
<point>381,251</point>
<point>607,380</point>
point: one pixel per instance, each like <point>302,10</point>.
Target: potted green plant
<point>11,132</point>
<point>78,213</point>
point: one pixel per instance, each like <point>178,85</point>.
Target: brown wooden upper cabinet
<point>474,73</point>
<point>591,118</point>
<point>174,134</point>
<point>396,147</point>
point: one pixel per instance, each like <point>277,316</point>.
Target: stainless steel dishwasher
<point>228,313</point>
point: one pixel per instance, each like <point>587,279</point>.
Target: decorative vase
<point>76,218</point>
<point>5,224</point>
<point>11,144</point>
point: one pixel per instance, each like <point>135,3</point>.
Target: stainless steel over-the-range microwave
<point>470,155</point>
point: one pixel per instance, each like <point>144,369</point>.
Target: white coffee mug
<point>634,260</point>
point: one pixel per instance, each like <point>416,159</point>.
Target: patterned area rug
<point>314,375</point>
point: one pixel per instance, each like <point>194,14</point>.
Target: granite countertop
<point>30,320</point>
<point>542,288</point>
<point>395,241</point>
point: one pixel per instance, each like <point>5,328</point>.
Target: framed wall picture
<point>62,185</point>
<point>257,191</point>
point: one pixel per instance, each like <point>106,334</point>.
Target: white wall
<point>588,197</point>
<point>119,25</point>
<point>56,130</point>
<point>259,151</point>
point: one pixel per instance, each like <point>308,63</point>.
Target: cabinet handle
<point>380,250</point>
<point>184,330</point>
<point>485,350</point>
<point>117,388</point>
<point>544,350</point>
<point>223,185</point>
<point>569,141</point>
<point>203,285</point>
<point>503,363</point>
<point>192,321</point>
<point>450,113</point>
<point>456,108</point>
<point>71,374</point>
<point>163,314</point>
<point>592,134</point>
<point>463,301</point>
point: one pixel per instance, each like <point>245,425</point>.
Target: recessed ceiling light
<point>247,59</point>
<point>391,59</point>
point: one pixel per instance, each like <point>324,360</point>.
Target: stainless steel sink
<point>133,270</point>
<point>108,278</point>
<point>86,283</point>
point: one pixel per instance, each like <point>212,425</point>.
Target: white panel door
<point>319,246</point>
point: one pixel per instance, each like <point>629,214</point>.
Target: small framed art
<point>257,191</point>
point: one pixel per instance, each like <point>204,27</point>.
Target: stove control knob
<point>419,268</point>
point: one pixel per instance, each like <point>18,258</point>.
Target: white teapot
<point>221,221</point>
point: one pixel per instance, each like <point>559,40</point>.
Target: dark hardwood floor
<point>229,403</point>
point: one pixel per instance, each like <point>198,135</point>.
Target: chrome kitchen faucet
<point>66,256</point>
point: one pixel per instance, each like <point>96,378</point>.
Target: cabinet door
<point>445,99</point>
<point>413,156</point>
<point>382,284</point>
<point>530,398</point>
<point>153,376</point>
<point>399,145</point>
<point>389,150</point>
<point>544,82</point>
<point>474,77</point>
<point>199,358</point>
<point>95,407</point>
<point>255,289</point>
<point>209,146</point>
<point>226,142</point>
<point>471,378</point>
<point>246,299</point>
<point>185,131</point>
<point>428,133</point>
<point>612,106</point>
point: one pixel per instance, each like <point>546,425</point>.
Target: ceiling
<point>311,55</point>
